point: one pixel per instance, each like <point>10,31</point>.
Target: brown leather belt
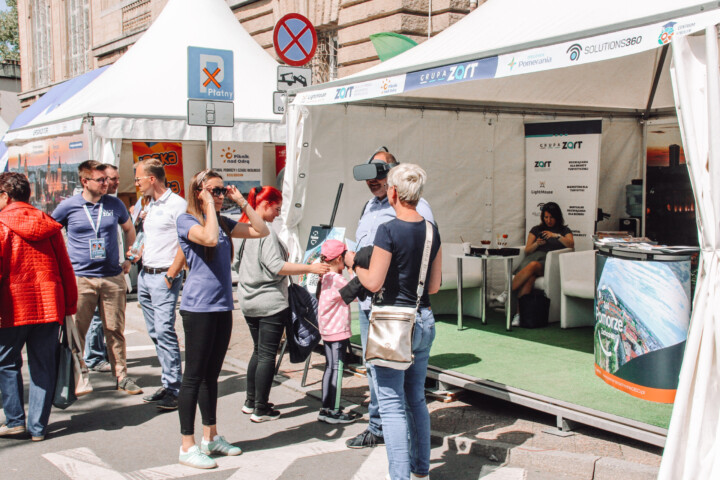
<point>155,271</point>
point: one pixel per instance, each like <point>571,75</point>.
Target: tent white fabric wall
<point>475,165</point>
<point>143,95</point>
<point>693,442</point>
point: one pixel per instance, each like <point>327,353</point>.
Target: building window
<point>78,27</point>
<point>136,16</point>
<point>324,63</point>
<point>42,42</point>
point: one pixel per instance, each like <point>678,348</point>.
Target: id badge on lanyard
<point>97,244</point>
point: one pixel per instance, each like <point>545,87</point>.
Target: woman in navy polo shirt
<point>206,309</point>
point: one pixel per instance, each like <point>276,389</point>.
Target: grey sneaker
<point>195,458</point>
<point>129,386</point>
<point>16,430</point>
<point>157,396</point>
<point>219,446</point>
<point>365,439</point>
<point>168,402</point>
<point>101,366</point>
<point>338,416</point>
<point>323,414</point>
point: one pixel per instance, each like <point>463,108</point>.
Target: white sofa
<point>549,282</point>
<point>445,301</point>
<point>577,285</point>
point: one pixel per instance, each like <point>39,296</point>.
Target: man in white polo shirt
<point>159,282</point>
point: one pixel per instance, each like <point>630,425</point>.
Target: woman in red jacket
<point>37,290</point>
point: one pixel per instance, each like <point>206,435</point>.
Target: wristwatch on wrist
<point>243,205</point>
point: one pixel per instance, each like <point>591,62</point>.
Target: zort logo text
<point>343,92</point>
<point>572,145</point>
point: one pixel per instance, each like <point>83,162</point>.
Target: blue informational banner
<point>210,74</point>
<point>455,73</point>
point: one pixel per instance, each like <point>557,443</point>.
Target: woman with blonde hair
<point>394,274</point>
<point>206,308</point>
<point>263,295</point>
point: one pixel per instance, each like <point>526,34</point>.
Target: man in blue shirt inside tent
<point>376,212</point>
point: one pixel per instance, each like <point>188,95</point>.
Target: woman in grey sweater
<point>263,295</point>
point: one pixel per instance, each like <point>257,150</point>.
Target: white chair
<point>549,282</point>
<point>445,301</point>
<point>577,285</point>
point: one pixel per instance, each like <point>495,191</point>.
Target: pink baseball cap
<point>332,249</point>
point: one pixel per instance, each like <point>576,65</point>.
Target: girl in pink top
<point>334,322</point>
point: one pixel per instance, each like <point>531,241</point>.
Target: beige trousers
<point>110,295</point>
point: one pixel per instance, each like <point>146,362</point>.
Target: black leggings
<point>207,336</point>
<point>332,379</point>
<point>266,333</point>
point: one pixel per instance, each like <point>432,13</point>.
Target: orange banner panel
<point>170,154</point>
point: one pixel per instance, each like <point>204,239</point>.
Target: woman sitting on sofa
<point>551,234</point>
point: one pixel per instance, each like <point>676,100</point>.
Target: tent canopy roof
<point>501,27</point>
<point>150,80</point>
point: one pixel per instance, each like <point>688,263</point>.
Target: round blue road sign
<point>295,39</point>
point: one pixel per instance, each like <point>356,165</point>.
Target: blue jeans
<point>42,343</point>
<point>401,396</point>
<point>158,304</point>
<point>95,351</point>
<point>375,424</point>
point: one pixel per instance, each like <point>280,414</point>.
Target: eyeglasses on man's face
<point>137,179</point>
<point>99,180</point>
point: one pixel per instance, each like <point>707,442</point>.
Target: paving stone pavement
<point>473,437</point>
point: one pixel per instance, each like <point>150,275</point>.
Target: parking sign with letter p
<point>210,74</point>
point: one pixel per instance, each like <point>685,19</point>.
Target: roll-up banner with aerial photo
<point>562,164</point>
<point>642,315</point>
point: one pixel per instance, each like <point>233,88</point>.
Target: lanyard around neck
<point>95,228</point>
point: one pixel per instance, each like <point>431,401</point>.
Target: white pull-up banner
<point>562,164</point>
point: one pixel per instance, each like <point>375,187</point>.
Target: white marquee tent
<point>143,95</point>
<point>457,103</point>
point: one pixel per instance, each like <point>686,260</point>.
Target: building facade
<point>61,39</point>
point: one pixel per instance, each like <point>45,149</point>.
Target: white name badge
<point>97,249</point>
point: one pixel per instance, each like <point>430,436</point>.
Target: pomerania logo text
<point>534,60</point>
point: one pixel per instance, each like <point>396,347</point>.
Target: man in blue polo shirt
<point>376,212</point>
<point>91,219</point>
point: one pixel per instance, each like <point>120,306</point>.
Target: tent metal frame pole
<point>656,80</point>
<point>643,153</point>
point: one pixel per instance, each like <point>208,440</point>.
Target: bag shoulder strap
<point>425,261</point>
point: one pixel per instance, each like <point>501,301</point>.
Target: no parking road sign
<point>210,74</point>
<point>295,39</point>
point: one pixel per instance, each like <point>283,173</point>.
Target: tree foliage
<point>9,43</point>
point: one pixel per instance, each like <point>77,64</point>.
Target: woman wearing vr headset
<point>206,308</point>
<point>263,295</point>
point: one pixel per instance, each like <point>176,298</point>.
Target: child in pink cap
<point>334,322</point>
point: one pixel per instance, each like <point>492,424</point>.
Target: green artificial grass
<point>548,361</point>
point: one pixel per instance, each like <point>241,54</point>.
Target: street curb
<point>547,461</point>
<point>584,466</point>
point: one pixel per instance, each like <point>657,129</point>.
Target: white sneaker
<point>516,320</point>
<point>502,298</point>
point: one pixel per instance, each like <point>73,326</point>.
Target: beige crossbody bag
<point>390,333</point>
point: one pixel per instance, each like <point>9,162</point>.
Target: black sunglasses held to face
<point>219,191</point>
